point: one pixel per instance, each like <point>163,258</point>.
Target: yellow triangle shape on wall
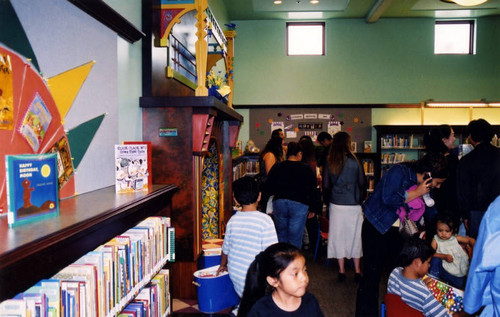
<point>65,86</point>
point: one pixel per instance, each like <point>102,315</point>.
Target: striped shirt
<point>247,234</point>
<point>415,294</point>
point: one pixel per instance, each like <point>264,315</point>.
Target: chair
<point>393,306</point>
<point>323,227</point>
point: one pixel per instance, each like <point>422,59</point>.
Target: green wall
<point>129,61</point>
<point>390,61</point>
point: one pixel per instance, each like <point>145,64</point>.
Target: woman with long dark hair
<point>441,140</point>
<point>381,240</point>
<point>272,153</point>
<point>344,184</point>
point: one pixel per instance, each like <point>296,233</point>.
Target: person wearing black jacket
<point>325,139</point>
<point>478,176</point>
<point>441,140</point>
<point>293,184</point>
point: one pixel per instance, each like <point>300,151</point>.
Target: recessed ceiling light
<point>314,1</point>
<point>277,1</point>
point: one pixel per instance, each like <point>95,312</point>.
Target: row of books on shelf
<point>371,185</point>
<point>392,158</point>
<point>123,277</point>
<point>369,167</point>
<point>246,167</point>
<point>406,141</point>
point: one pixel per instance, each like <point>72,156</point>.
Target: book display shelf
<point>396,144</point>
<point>39,250</point>
<point>370,164</point>
<point>245,165</point>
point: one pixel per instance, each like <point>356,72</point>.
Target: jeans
<point>436,269</point>
<point>290,219</point>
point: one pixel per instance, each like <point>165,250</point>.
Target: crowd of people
<point>438,194</point>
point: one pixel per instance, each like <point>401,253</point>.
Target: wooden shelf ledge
<point>39,250</point>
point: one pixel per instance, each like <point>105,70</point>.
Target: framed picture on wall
<point>368,146</point>
<point>353,147</point>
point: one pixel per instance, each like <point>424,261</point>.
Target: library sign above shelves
<point>296,122</point>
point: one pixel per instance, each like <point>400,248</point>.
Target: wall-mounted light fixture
<point>460,104</point>
<point>466,3</point>
<point>430,103</point>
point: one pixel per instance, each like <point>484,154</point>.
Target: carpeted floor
<point>336,299</point>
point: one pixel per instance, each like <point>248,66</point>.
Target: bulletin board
<point>297,122</point>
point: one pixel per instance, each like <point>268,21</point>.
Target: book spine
<point>10,213</point>
<point>171,244</point>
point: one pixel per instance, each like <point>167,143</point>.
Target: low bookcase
<point>39,250</point>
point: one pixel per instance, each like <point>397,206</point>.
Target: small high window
<point>305,38</point>
<point>454,37</point>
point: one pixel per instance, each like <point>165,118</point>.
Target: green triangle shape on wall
<point>12,33</point>
<point>79,138</point>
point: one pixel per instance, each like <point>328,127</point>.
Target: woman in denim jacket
<point>344,187</point>
<point>380,232</point>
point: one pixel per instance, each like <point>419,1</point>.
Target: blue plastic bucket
<point>207,261</point>
<point>215,293</point>
<point>209,258</point>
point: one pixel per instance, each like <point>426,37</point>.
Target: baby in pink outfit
<point>416,208</point>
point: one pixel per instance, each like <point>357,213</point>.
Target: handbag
<point>407,228</point>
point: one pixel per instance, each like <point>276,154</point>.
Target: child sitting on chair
<point>407,283</point>
<point>453,270</point>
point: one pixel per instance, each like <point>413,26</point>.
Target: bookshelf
<point>197,157</point>
<point>397,144</point>
<point>39,250</point>
<point>245,165</point>
<point>370,164</point>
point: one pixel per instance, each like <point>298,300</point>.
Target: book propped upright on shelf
<point>150,158</point>
<point>131,168</point>
<point>32,187</point>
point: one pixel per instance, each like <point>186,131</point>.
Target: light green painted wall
<point>129,59</point>
<point>244,134</point>
<point>219,12</point>
<point>390,61</point>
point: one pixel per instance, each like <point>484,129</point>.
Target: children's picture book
<point>36,122</point>
<point>64,161</point>
<point>131,168</point>
<point>32,187</point>
<point>6,93</point>
<point>150,158</point>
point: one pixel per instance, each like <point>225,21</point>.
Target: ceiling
<point>371,10</point>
